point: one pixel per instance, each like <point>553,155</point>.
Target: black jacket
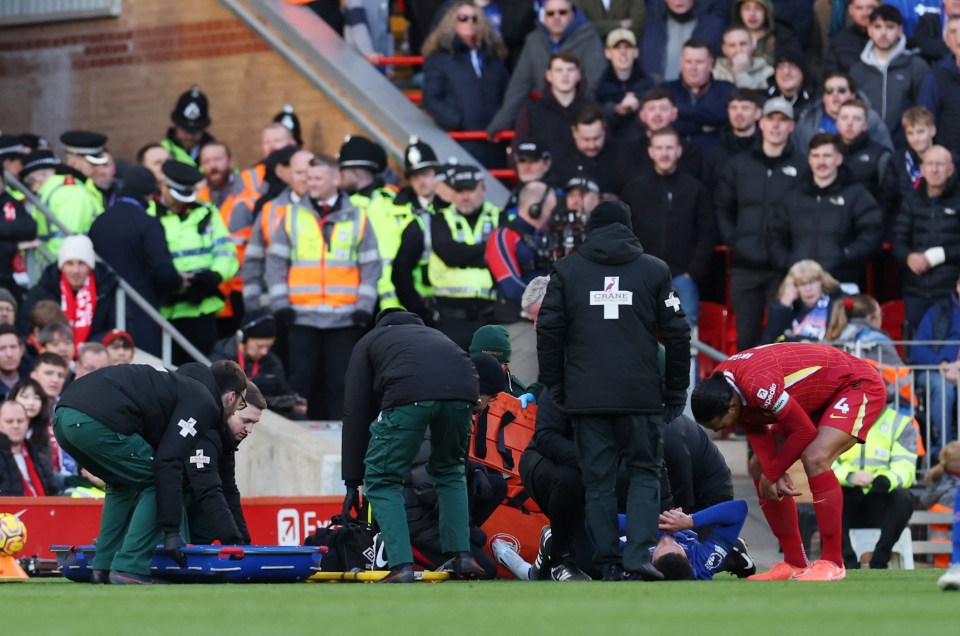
<point>611,90</point>
<point>553,435</point>
<point>11,482</point>
<point>923,224</point>
<point>928,38</point>
<point>839,226</point>
<point>867,162</point>
<point>673,218</point>
<point>214,484</point>
<point>171,411</point>
<point>609,366</point>
<point>15,226</point>
<point>48,288</point>
<point>845,49</point>
<point>603,168</point>
<point>698,473</point>
<point>270,377</point>
<point>400,361</point>
<point>748,192</point>
<point>730,146</point>
<point>634,159</point>
<point>548,122</point>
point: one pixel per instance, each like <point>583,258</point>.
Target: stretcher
<point>371,576</point>
<point>501,433</point>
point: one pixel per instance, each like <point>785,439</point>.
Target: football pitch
<point>904,602</point>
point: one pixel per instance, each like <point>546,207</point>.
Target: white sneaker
<point>951,578</point>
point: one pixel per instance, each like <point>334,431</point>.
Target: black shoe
<point>851,564</point>
<point>740,563</point>
<point>100,576</point>
<point>400,574</point>
<point>568,571</point>
<point>463,566</point>
<point>877,565</point>
<point>645,572</point>
<point>541,565</point>
<point>612,572</point>
<point>118,577</point>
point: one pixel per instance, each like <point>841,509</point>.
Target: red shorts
<point>856,407</point>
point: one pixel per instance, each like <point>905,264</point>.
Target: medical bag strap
<point>480,438</point>
<point>518,500</point>
<point>505,453</point>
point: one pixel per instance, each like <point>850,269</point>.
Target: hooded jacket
<point>892,87</point>
<point>214,485</point>
<point>809,125</point>
<point>598,326</point>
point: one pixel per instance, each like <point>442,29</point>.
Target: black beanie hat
<point>258,324</point>
<point>608,213</point>
<point>492,376</point>
<point>138,183</point>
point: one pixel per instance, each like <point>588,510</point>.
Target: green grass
<point>907,603</point>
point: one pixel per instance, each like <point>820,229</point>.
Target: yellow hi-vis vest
<point>464,282</point>
<point>890,450</point>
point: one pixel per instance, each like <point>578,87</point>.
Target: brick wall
<point>122,77</point>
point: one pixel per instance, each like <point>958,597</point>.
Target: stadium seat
<point>717,329</point>
<point>892,321</point>
<point>865,539</point>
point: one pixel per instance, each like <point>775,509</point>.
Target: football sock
<point>828,506</point>
<point>782,517</point>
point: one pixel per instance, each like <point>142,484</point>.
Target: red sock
<point>828,505</point>
<point>783,520</point>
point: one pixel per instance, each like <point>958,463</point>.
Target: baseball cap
<point>617,36</point>
<point>778,105</point>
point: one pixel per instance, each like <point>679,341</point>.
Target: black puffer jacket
<point>698,473</point>
<point>609,365</point>
<point>923,224</point>
<point>11,482</point>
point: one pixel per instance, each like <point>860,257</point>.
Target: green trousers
<point>129,532</point>
<point>395,439</point>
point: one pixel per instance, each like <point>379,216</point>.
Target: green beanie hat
<point>492,339</point>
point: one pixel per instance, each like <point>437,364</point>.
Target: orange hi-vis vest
<point>240,227</point>
<point>253,180</point>
<point>324,260</point>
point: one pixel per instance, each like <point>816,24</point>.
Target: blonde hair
<point>811,269</point>
<point>949,460</point>
<point>446,31</point>
<point>859,306</point>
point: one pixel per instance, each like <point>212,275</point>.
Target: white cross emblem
<point>187,427</point>
<point>200,460</point>
<point>611,297</point>
<point>672,301</point>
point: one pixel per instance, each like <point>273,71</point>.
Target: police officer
<point>136,428</point>
<point>597,343</point>
<point>12,153</point>
<point>417,379</point>
<point>190,118</point>
<point>83,154</point>
<point>201,249</point>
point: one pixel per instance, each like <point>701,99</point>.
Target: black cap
<point>582,181</point>
<point>38,160</point>
<point>258,324</point>
<point>11,147</point>
<point>278,157</point>
<point>182,180</point>
<point>360,152</point>
<point>32,142</point>
<point>531,151</point>
<point>418,156</point>
<point>446,170</point>
<point>289,120</point>
<point>491,374</point>
<point>192,111</point>
<point>464,177</point>
<point>608,213</point>
<point>138,183</point>
<point>791,54</point>
<point>88,145</point>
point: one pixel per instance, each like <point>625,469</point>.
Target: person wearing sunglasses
<point>821,115</point>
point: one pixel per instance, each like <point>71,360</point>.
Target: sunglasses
<point>841,90</point>
<point>560,12</point>
<point>467,18</point>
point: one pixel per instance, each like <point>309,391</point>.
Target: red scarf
<point>79,307</point>
<point>32,487</point>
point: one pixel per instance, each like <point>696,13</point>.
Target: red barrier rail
<point>480,135</point>
<point>400,60</point>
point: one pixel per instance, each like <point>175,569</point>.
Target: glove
<point>527,398</point>
<point>672,412</point>
<point>880,486</point>
<point>207,280</point>
<point>351,502</point>
<point>172,542</point>
<point>480,485</point>
<point>285,316</point>
<point>361,318</point>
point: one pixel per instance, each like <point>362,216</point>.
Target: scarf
<point>32,486</point>
<point>79,307</point>
<point>814,323</point>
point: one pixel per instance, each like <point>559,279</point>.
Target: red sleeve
<point>799,430</point>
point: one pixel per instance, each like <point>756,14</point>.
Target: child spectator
<point>904,169</point>
<point>44,313</point>
<point>120,347</point>
<point>57,338</point>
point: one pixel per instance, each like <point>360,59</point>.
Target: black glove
<point>672,412</point>
<point>361,318</point>
<point>351,502</point>
<point>480,485</point>
<point>880,486</point>
<point>172,542</point>
<point>285,316</point>
<point>207,280</point>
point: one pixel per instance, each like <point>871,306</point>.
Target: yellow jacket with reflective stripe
<point>387,221</point>
<point>464,282</point>
<point>72,203</point>
<point>890,450</point>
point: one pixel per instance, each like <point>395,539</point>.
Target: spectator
<point>940,493</point>
<point>889,75</point>
<point>11,359</point>
<point>821,116</point>
<point>8,307</point>
<point>562,29</point>
<point>739,64</point>
<point>804,306</point>
<point>106,181</point>
<point>367,28</point>
<point>673,218</point>
<point>668,30</point>
<point>828,218</point>
<point>546,120</point>
<point>940,91</point>
<point>928,37</point>
<point>788,81</point>
<point>701,100</point>
<point>57,337</point>
<point>744,109</point>
<point>85,289</point>
<point>847,45</point>
<point>876,479</point>
<point>609,15</point>
<point>120,347</point>
<point>16,226</point>
<point>532,164</point>
<point>768,35</point>
<point>152,157</point>
<point>11,157</point>
<point>92,356</point>
<point>464,76</point>
<point>623,81</point>
<point>926,238</point>
<point>44,313</point>
<point>50,371</point>
<point>864,158</point>
<point>190,118</point>
<point>904,169</point>
<point>748,193</point>
<point>593,150</point>
<point>582,196</point>
<point>29,394</point>
<point>22,471</point>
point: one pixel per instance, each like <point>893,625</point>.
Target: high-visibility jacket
<point>198,241</point>
<point>236,211</point>
<point>16,194</point>
<point>890,450</point>
<point>178,153</point>
<point>325,267</point>
<point>387,221</point>
<point>254,180</point>
<point>421,276</point>
<point>71,203</point>
<point>464,282</point>
<point>265,226</point>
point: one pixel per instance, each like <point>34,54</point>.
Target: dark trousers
<point>318,364</point>
<point>634,440</point>
<point>888,511</point>
<point>750,293</point>
<point>558,491</point>
<point>200,331</point>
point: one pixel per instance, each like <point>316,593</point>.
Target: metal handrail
<point>124,289</point>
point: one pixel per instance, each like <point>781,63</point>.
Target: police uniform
<point>89,146</point>
<point>15,226</point>
<point>13,150</point>
<point>192,113</point>
<point>289,120</point>
<point>136,427</point>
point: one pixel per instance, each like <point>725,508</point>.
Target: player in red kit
<point>795,401</point>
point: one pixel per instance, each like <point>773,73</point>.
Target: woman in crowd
<point>29,393</point>
<point>803,306</point>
